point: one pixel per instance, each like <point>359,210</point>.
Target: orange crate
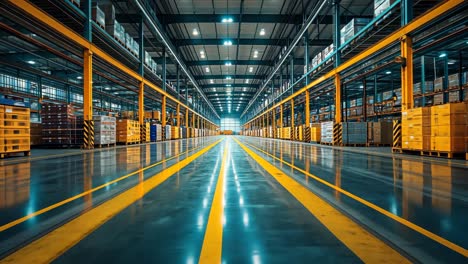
<point>14,132</point>
<point>16,110</point>
<point>16,141</point>
<point>15,124</point>
<point>16,117</point>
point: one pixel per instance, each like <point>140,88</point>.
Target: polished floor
<point>232,199</point>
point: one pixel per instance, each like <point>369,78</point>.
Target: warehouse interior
<point>233,131</point>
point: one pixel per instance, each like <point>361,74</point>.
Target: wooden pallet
<point>355,145</point>
<point>432,153</point>
<point>9,154</point>
<point>378,145</point>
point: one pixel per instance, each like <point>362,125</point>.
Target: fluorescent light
<point>388,72</point>
<point>255,54</point>
<point>443,55</point>
<point>262,32</point>
<point>247,81</point>
<point>195,32</point>
<point>207,69</point>
<point>228,85</point>
<point>79,77</point>
<point>243,94</point>
<point>227,20</point>
<point>227,43</point>
<point>250,69</point>
<point>107,88</point>
<point>211,81</point>
<point>202,56</point>
<point>228,78</point>
<point>31,62</point>
<point>228,63</point>
<point>202,52</point>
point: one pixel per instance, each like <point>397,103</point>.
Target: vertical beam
<point>281,115</point>
<point>307,108</point>
<point>337,33</point>
<point>164,76</point>
<point>186,117</point>
<point>406,12</point>
<point>446,82</point>
<point>178,114</point>
<point>141,52</point>
<point>273,122</point>
<point>88,98</point>
<point>178,82</point>
<point>423,80</point>
<point>338,99</point>
<point>364,100</point>
<point>292,112</point>
<point>292,74</point>
<point>407,73</point>
<point>88,27</point>
<point>141,111</point>
<point>193,121</point>
<point>306,56</point>
<point>163,112</point>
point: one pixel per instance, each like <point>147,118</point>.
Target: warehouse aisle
<point>227,200</point>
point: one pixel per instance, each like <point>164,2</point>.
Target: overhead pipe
<point>286,55</point>
<point>174,54</point>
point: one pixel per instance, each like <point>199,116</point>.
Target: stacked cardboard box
<point>14,129</point>
<point>175,132</point>
<point>60,125</point>
<point>315,132</point>
<point>98,15</point>
<point>439,84</point>
<point>454,96</point>
<point>168,131</point>
<point>286,133</point>
<point>381,5</point>
<point>416,128</point>
<point>380,132</point>
<point>128,131</point>
<point>326,131</point>
<point>454,81</point>
<point>104,130</point>
<point>448,127</point>
<point>354,132</point>
<point>352,28</point>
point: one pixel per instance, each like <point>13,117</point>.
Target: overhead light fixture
<point>243,94</point>
<point>195,32</point>
<point>107,88</point>
<point>79,77</point>
<point>247,81</point>
<point>251,69</point>
<point>388,72</point>
<point>361,86</point>
<point>227,20</point>
<point>116,93</point>
<point>262,32</point>
<point>227,43</point>
<point>451,62</point>
<point>228,63</point>
<point>255,54</point>
<point>207,69</point>
<point>211,81</point>
<point>442,55</point>
<point>228,78</point>
<point>31,62</point>
<point>228,85</point>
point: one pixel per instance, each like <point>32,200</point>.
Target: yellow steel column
<point>88,125</point>
<point>337,98</point>
<point>292,135</point>
<point>186,118</point>
<point>141,111</point>
<point>273,123</point>
<point>163,112</point>
<point>193,121</point>
<point>307,108</point>
<point>281,116</point>
<point>178,115</point>
<point>407,73</point>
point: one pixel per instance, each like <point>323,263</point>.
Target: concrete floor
<point>233,200</point>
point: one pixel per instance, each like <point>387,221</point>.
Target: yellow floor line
<point>68,200</point>
<point>400,220</point>
<point>55,243</point>
<point>213,241</point>
<point>366,246</point>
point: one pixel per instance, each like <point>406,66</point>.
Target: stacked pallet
<point>380,133</point>
<point>155,132</point>
<point>315,133</point>
<point>168,132</point>
<point>354,133</point>
<point>286,133</point>
<point>128,131</point>
<point>60,126</point>
<point>326,131</point>
<point>104,130</point>
<point>174,132</point>
<point>36,134</point>
<point>448,127</point>
<point>14,130</point>
<point>416,129</point>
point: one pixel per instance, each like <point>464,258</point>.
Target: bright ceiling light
<point>228,78</point>
<point>250,69</point>
<point>202,52</point>
<point>211,81</point>
<point>255,54</point>
<point>227,43</point>
<point>243,94</point>
<point>388,72</point>
<point>207,69</point>
<point>107,88</point>
<point>228,63</point>
<point>79,77</point>
<point>228,85</point>
<point>31,62</point>
<point>202,56</point>
<point>443,55</point>
<point>227,20</point>
<point>262,32</point>
<point>247,81</point>
<point>195,32</point>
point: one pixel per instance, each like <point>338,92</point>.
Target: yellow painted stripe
<point>400,220</point>
<point>213,241</point>
<point>51,207</point>
<point>55,243</point>
<point>366,246</point>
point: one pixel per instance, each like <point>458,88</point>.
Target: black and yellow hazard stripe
<point>88,134</point>
<point>143,133</point>
<point>307,134</point>
<point>396,134</point>
<point>337,134</point>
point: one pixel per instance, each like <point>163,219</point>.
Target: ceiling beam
<point>246,18</point>
<point>297,62</point>
<point>233,85</point>
<point>258,42</point>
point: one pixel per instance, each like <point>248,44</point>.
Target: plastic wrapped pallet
<point>354,132</point>
<point>104,130</point>
<point>352,28</point>
<point>381,5</point>
<point>439,84</point>
<point>326,131</point>
<point>98,15</point>
<point>168,131</point>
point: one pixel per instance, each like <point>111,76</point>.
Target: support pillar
<point>88,125</point>
<point>163,116</point>
<point>178,115</point>
<point>307,108</point>
<point>141,111</point>
<point>338,99</point>
<point>407,73</point>
<point>164,76</point>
